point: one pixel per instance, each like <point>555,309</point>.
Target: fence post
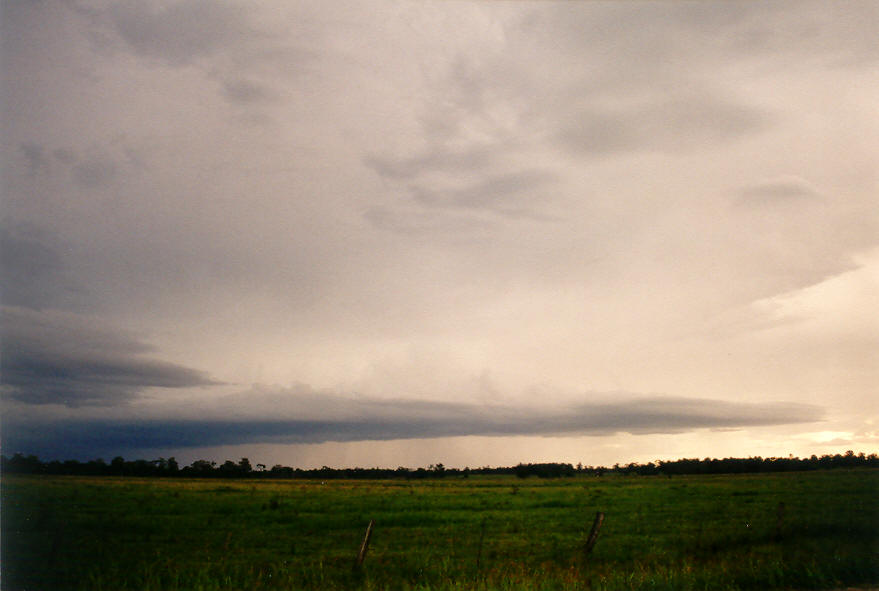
<point>361,556</point>
<point>593,534</point>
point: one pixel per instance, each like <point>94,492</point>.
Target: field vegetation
<point>794,530</point>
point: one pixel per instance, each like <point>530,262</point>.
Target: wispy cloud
<point>782,189</point>
<point>181,31</point>
<point>679,123</point>
<point>438,158</point>
<point>244,91</point>
<point>512,194</point>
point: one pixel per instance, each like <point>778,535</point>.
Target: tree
<point>117,466</point>
<point>228,469</point>
<point>202,467</point>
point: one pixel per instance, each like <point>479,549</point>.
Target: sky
<point>470,233</point>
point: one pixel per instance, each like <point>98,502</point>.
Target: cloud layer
<point>447,206</point>
<point>63,358</point>
<point>342,419</point>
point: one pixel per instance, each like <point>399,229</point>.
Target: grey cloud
<point>695,120</point>
<point>420,222</point>
<point>518,194</point>
<point>221,39</point>
<point>459,212</point>
<point>593,133</point>
<point>64,155</point>
<point>94,173</point>
<point>436,159</point>
<point>370,419</point>
<point>32,269</point>
<point>786,189</point>
<point>24,256</point>
<point>52,357</point>
<point>507,194</point>
<point>463,96</point>
<point>645,43</point>
<point>97,168</point>
<point>35,158</point>
<point>681,123</point>
<point>180,31</point>
<point>655,107</point>
<point>244,91</point>
<point>816,30</point>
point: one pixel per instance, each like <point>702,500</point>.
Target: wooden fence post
<point>361,556</point>
<point>593,534</point>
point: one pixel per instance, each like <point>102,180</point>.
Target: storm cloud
<point>359,419</point>
<point>51,357</point>
<point>428,212</point>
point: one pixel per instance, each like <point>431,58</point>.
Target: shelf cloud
<point>313,417</point>
<point>69,359</point>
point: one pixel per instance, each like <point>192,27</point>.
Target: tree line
<point>169,467</point>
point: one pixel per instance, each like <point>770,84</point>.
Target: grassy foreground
<point>687,532</point>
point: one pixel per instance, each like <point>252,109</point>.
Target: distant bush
<point>544,470</point>
<point>31,464</point>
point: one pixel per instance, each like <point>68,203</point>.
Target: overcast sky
<point>475,233</point>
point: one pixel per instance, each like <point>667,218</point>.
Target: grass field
<point>687,532</point>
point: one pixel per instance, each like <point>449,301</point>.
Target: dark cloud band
<point>51,357</point>
<point>389,420</point>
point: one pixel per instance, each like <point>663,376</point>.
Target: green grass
<point>689,532</point>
